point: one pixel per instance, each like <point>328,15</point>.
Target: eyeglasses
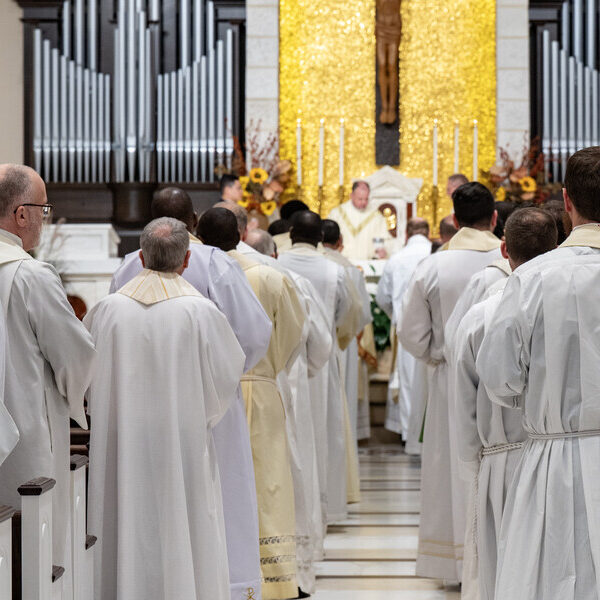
<point>46,208</point>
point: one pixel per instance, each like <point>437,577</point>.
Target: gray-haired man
<point>169,368</point>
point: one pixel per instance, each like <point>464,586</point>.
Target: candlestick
<point>299,152</point>
<point>475,151</point>
<point>342,152</point>
<point>456,147</point>
<point>321,150</point>
<point>435,153</point>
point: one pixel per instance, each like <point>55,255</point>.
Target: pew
<point>40,579</point>
<point>82,544</point>
<point>6,514</point>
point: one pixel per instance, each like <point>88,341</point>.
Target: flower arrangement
<point>527,182</point>
<point>266,181</point>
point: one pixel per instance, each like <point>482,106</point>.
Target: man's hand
<point>381,253</point>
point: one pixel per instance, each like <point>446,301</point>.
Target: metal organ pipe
<point>47,94</point>
<point>79,32</point>
<point>591,34</point>
<point>38,94</point>
<point>55,134</point>
<point>555,108</point>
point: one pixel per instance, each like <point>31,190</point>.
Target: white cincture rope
<point>500,448</point>
<point>564,435</point>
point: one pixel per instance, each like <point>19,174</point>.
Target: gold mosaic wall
<point>447,72</point>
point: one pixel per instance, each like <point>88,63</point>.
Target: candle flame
<point>342,121</point>
<point>475,122</point>
<point>298,122</point>
<point>322,121</point>
<point>435,122</point>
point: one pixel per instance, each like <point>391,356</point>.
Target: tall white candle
<point>342,132</point>
<point>475,151</point>
<point>321,150</point>
<point>435,153</point>
<point>456,147</point>
<point>299,152</point>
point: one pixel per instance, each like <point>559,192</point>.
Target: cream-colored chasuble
<point>266,420</point>
<point>169,369</point>
<point>359,228</point>
<point>426,307</point>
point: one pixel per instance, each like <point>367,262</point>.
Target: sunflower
<point>244,181</point>
<point>258,175</point>
<point>501,194</point>
<point>528,184</point>
<point>268,208</point>
<point>244,203</point>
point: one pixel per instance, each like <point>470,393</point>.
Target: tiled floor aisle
<point>371,556</point>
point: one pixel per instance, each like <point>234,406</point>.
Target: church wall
<point>512,67</point>
<point>11,76</point>
<point>447,71</point>
<point>262,64</point>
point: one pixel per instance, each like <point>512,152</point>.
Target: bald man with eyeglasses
<point>49,358</point>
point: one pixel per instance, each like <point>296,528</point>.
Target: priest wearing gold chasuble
<point>364,229</point>
<point>264,407</point>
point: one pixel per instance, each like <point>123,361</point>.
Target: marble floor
<point>371,555</point>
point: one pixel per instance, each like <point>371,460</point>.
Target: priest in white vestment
<point>220,279</point>
<point>426,308</point>
<point>356,369</point>
<point>9,434</point>
<point>397,274</point>
<point>334,287</point>
<point>169,368</point>
<point>364,228</point>
<point>50,358</point>
<point>490,437</point>
<point>541,353</point>
<point>264,407</point>
<point>315,350</point>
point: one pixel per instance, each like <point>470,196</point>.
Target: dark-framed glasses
<point>46,208</point>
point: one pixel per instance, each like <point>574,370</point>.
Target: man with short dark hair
<point>447,231</point>
<point>426,307</point>
<point>541,354</point>
<point>220,279</point>
<point>169,367</point>
<point>489,437</point>
<point>50,357</point>
<point>231,188</point>
<point>404,390</point>
<point>363,227</point>
<point>335,289</point>
<point>218,227</point>
<point>354,359</point>
<point>265,410</point>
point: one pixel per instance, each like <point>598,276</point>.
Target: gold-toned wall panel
<point>447,71</point>
<point>327,70</point>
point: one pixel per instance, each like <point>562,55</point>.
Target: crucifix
<point>388,31</point>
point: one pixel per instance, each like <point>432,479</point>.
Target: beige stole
<point>587,235</point>
<point>244,261</point>
<point>468,238</point>
<point>356,229</point>
<point>194,239</point>
<point>11,251</point>
<point>150,287</point>
<point>503,265</point>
